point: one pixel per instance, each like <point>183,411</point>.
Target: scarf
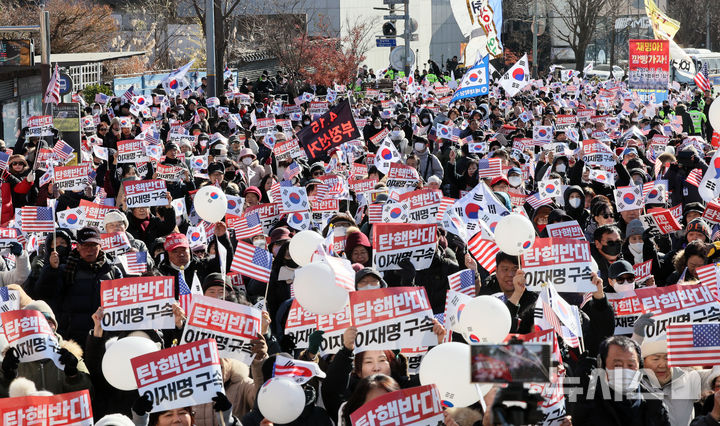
<point>74,260</point>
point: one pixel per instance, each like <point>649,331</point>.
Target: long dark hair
<point>357,399</point>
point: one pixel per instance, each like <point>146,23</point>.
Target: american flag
<point>52,94</point>
<point>249,226</point>
<point>136,262</point>
<point>129,93</point>
<point>702,79</point>
<point>344,274</point>
<point>483,251</point>
<point>445,202</point>
<point>375,213</point>
<point>184,293</point>
<point>4,157</point>
<point>63,151</point>
<point>321,191</point>
<point>291,171</point>
<point>489,168</point>
<point>252,262</point>
<point>535,201</point>
<point>706,274</point>
<point>463,282</point>
<point>563,314</point>
<point>691,344</point>
<point>37,219</point>
<point>694,177</point>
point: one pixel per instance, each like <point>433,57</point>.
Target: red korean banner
<point>643,271</point>
<point>393,242</point>
<point>95,213</point>
<point>627,308</point>
<point>269,214</point>
<point>423,205</point>
<point>180,376</point>
<point>170,173</point>
<point>231,325</point>
<point>300,324</point>
<point>517,199</point>
<point>712,212</point>
<point>30,334</point>
<point>145,193</point>
<point>379,137</point>
<point>564,262</point>
<point>264,126</point>
<point>131,151</point>
<point>392,318</point>
<point>115,242</point>
<point>7,236</point>
<point>365,185</point>
<point>401,178</point>
<point>66,409</point>
<point>569,229</point>
<point>70,178</point>
<point>420,405</point>
<point>138,303</point>
<point>661,220</point>
<point>679,303</point>
<point>414,357</point>
<point>649,69</point>
<point>285,150</point>
<point>597,153</point>
<point>564,122</point>
<point>331,129</point>
<point>358,171</point>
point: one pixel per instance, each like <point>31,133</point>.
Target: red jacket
<point>7,211</point>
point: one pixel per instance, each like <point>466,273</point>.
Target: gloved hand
<point>142,405</point>
<point>287,343</point>
<point>221,403</point>
<point>314,341</point>
<point>10,364</point>
<point>70,362</point>
<point>16,248</point>
<point>645,320</point>
<point>407,273</point>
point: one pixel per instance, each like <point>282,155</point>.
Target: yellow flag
<point>663,26</point>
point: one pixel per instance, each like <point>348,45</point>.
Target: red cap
<point>498,179</point>
<point>176,240</point>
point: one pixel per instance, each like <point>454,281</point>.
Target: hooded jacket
<point>581,215</point>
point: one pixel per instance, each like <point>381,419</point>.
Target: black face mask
<point>229,176</point>
<point>612,248</point>
<point>62,251</point>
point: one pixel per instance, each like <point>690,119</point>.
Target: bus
<point>700,57</point>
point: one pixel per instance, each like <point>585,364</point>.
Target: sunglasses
<point>318,174</point>
<point>625,279</point>
<point>17,163</point>
<point>605,215</point>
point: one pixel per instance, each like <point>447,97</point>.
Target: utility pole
<point>406,37</point>
<point>707,32</point>
<point>535,40</point>
<point>210,46</point>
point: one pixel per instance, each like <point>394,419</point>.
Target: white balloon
<point>281,400</point>
<point>116,365</point>
<point>210,203</point>
<point>484,319</point>
<point>714,114</point>
<point>448,367</point>
<point>303,245</point>
<point>514,233</point>
<point>316,291</point>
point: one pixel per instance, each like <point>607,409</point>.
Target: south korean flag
<point>300,221</point>
<point>656,193</point>
<point>395,213</point>
<point>294,199</point>
<point>628,198</point>
<point>549,188</point>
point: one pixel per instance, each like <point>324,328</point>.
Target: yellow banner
<point>663,26</point>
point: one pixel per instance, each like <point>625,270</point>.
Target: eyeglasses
<point>605,215</point>
<point>626,279</point>
<point>102,129</point>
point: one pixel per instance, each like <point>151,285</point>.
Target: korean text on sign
<point>563,262</point>
<point>393,242</point>
<point>414,406</point>
<point>138,303</point>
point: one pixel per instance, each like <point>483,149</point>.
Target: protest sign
<point>170,173</point>
<point>627,308</point>
<point>423,205</point>
<point>138,303</point>
<point>596,153</point>
<point>115,243</point>
<point>264,126</point>
<point>145,193</point>
<point>413,406</point>
<point>286,150</point>
<point>231,325</point>
<point>565,122</point>
<point>649,69</point>
<point>331,129</point>
<point>70,178</point>
<point>365,185</point>
<point>131,151</point>
<point>40,125</point>
<point>30,334</point>
<point>569,229</point>
<point>661,220</point>
<point>269,214</point>
<point>643,271</point>
<point>94,213</point>
<point>563,262</point>
<point>393,242</point>
<point>392,318</point>
<point>180,376</point>
<point>300,324</point>
<point>402,178</point>
<point>72,408</point>
<point>712,212</point>
<point>7,236</point>
<point>679,303</point>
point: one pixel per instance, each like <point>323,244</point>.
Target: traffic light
<point>389,29</point>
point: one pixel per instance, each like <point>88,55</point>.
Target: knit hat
<point>698,225</point>
<point>355,239</point>
<point>42,307</point>
<point>635,227</point>
<point>653,347</point>
<point>114,216</point>
<point>253,190</point>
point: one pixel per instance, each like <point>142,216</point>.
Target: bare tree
<point>693,15</point>
<point>580,19</point>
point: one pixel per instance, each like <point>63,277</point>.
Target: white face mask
<point>636,247</point>
<point>247,161</point>
<point>371,287</point>
<point>419,146</point>
<point>96,112</point>
<point>621,288</point>
<point>560,168</point>
<point>575,202</point>
<point>515,181</point>
<point>306,123</point>
<point>623,379</point>
<point>259,243</point>
<point>397,134</point>
<point>378,126</point>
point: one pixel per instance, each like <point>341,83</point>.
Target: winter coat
<point>157,226</point>
<point>434,278</point>
<point>13,191</point>
<point>429,165</point>
<point>608,412</point>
